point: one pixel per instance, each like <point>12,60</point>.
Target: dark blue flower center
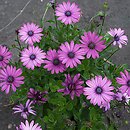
<point>68,13</point>
<point>71,55</point>
<point>30,33</point>
<point>128,83</point>
<point>99,90</point>
<point>116,38</point>
<point>10,79</point>
<point>32,57</point>
<point>1,58</point>
<point>56,62</point>
<point>91,45</point>
<point>25,109</point>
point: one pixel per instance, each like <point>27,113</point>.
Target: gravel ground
<point>118,16</point>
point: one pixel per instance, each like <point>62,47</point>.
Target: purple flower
<point>73,86</point>
<point>124,81</point>
<point>30,33</point>
<point>71,54</point>
<point>99,91</point>
<point>68,13</point>
<point>119,37</point>
<point>24,110</point>
<point>92,44</point>
<point>27,126</point>
<point>10,77</point>
<point>5,56</point>
<point>53,63</point>
<point>37,96</point>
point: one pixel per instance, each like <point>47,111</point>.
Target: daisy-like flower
<point>124,80</point>
<point>68,13</point>
<point>99,91</point>
<point>119,37</point>
<point>92,44</point>
<point>5,56</point>
<point>10,77</point>
<point>31,57</point>
<point>30,33</point>
<point>53,63</point>
<point>71,54</point>
<point>73,86</point>
<point>37,96</point>
<point>25,110</point>
<point>29,126</point>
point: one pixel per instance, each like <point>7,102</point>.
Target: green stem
<point>20,47</point>
<point>55,15</point>
<point>111,55</point>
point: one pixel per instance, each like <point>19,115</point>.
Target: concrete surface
<point>118,16</point>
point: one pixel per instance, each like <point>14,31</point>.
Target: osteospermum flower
<point>31,57</point>
<point>99,91</point>
<point>68,13</point>
<point>71,54</point>
<point>73,86</point>
<point>30,33</point>
<point>5,56</point>
<point>10,77</point>
<point>119,37</point>
<point>92,44</point>
<point>37,96</point>
<point>53,63</point>
<point>29,126</point>
<point>124,81</point>
<point>24,110</point>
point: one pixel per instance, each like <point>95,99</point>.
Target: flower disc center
<point>30,33</point>
<point>32,57</point>
<point>71,55</point>
<point>91,45</point>
<point>68,13</point>
<point>116,38</point>
<point>25,110</point>
<point>10,79</point>
<point>98,90</point>
<point>128,83</point>
<point>56,62</point>
<point>1,58</point>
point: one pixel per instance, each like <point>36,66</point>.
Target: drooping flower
<point>29,126</point>
<point>37,96</point>
<point>92,44</point>
<point>25,110</point>
<point>124,80</point>
<point>30,33</point>
<point>68,13</point>
<point>32,57</point>
<point>71,54</point>
<point>119,37</point>
<point>122,97</point>
<point>5,56</point>
<point>99,91</point>
<point>53,63</point>
<point>10,77</point>
<point>73,86</point>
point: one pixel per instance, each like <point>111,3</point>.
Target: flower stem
<point>55,15</point>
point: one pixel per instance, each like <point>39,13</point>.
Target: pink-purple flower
<point>124,81</point>
<point>73,86</point>
<point>29,126</point>
<point>119,37</point>
<point>10,77</point>
<point>71,54</point>
<point>37,96</point>
<point>32,57</point>
<point>92,44</point>
<point>5,56</point>
<point>68,13</point>
<point>53,63</point>
<point>30,33</point>
<point>25,110</point>
<point>99,91</point>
